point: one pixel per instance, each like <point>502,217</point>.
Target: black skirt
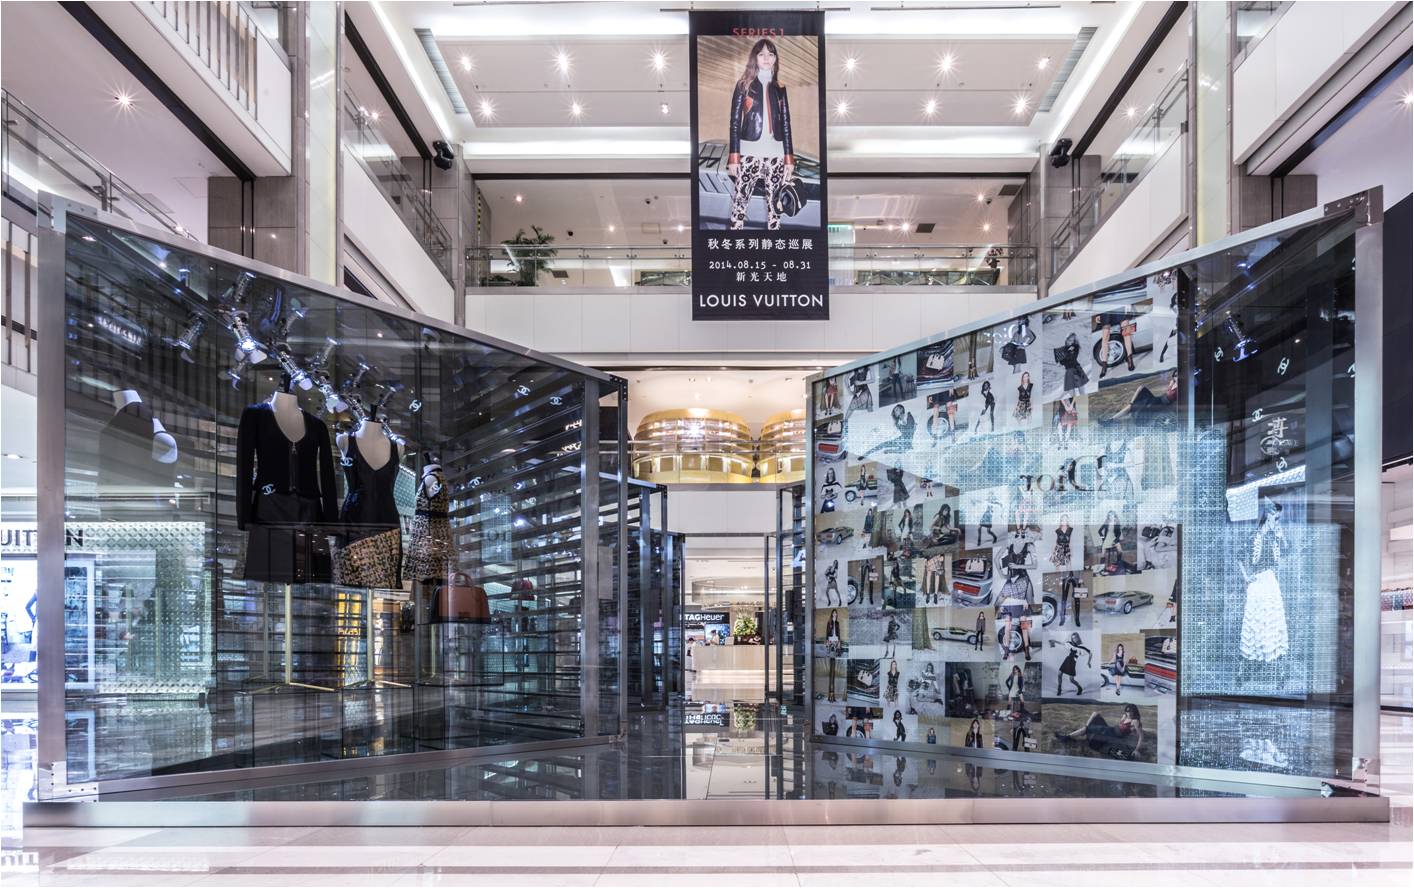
<point>285,542</point>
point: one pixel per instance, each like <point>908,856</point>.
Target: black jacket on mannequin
<point>285,491</point>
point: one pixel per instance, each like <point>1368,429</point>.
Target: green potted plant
<point>745,630</point>
<point>532,253</point>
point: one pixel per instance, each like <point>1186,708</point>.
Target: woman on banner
<point>760,149</point>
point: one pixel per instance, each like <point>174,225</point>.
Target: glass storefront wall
<point>301,527</point>
<point>1120,526</point>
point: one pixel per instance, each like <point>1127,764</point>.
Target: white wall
<point>379,233</point>
<point>261,142</point>
<point>1147,215</point>
<point>1295,58</point>
<point>640,323</point>
<point>742,510</point>
<point>1375,147</point>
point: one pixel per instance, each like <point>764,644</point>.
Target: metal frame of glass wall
<point>595,556</point>
<point>1364,214</point>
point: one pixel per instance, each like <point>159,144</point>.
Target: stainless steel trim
<point>1279,226</point>
<point>708,812</point>
<point>590,483</point>
<point>1369,437</point>
<point>62,206</point>
<point>51,768</point>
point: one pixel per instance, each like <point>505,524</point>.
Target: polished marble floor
<point>1068,854</point>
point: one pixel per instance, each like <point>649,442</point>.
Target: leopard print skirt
<point>770,170</point>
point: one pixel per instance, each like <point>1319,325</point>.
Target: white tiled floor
<point>1085,854</point>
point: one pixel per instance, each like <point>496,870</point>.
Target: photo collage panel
<point>997,536</point>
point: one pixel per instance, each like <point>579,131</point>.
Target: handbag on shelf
<point>460,602</point>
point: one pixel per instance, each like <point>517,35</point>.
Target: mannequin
<point>430,540</point>
<point>285,489</point>
<point>372,552</point>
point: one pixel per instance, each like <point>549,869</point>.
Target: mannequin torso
<point>288,415</point>
<point>373,445</point>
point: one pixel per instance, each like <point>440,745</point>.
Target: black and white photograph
<point>862,682</point>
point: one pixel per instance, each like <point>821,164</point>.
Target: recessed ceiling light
<point>945,64</point>
<point>562,61</point>
<point>466,63</point>
<point>1019,106</point>
<point>1042,62</point>
<point>13,456</point>
<point>842,108</point>
<point>681,227</point>
<point>374,116</point>
<point>986,226</point>
<point>1130,112</point>
<point>981,198</point>
<point>850,63</point>
<point>1407,99</point>
<point>488,109</point>
<point>123,100</point>
<point>660,61</point>
<point>611,228</point>
<point>663,108</point>
<point>520,198</point>
<point>576,109</point>
<point>930,107</point>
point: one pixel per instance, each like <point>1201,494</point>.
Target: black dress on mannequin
<point>284,493</point>
<point>370,517</point>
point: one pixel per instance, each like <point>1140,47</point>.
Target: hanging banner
<point>758,132</point>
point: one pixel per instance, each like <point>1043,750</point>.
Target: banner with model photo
<point>758,130</point>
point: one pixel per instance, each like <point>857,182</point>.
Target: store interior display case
<point>190,650</point>
<point>1132,526</point>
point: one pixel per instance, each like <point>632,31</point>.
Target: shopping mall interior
<point>568,442</point>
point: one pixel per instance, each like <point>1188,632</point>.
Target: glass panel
<point>303,529</point>
<point>1086,532</point>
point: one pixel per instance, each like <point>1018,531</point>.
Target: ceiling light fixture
<point>1042,62</point>
<point>488,109</point>
<point>467,63</point>
<point>850,63</point>
<point>520,198</point>
<point>681,227</point>
<point>660,61</point>
<point>562,61</point>
<point>1019,106</point>
<point>1130,112</point>
<point>1407,99</point>
<point>664,108</point>
<point>981,197</point>
<point>576,109</point>
<point>986,226</point>
<point>123,100</point>
<point>611,228</point>
<point>842,108</point>
<point>374,115</point>
<point>930,107</point>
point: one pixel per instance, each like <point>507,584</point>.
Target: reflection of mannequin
<point>135,449</point>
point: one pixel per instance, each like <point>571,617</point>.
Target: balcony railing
<point>924,265</point>
<point>411,201</point>
<point>225,36</point>
<point>37,157</point>
<point>1157,127</point>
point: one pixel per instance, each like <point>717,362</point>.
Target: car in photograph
<point>715,189</point>
<point>833,536</point>
<point>956,633</point>
<point>1122,602</point>
<point>1050,609</point>
<point>972,582</point>
<point>829,442</point>
<point>1160,664</point>
<point>1133,677</point>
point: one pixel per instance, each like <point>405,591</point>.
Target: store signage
<point>22,538</point>
<point>759,248</point>
<point>703,618</point>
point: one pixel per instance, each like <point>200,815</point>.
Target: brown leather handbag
<point>460,602</point>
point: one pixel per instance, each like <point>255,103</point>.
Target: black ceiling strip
<point>390,95</point>
<point>99,30</point>
<point>1353,107</point>
<point>1146,52</point>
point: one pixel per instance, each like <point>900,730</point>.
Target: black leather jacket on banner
<point>751,116</point>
